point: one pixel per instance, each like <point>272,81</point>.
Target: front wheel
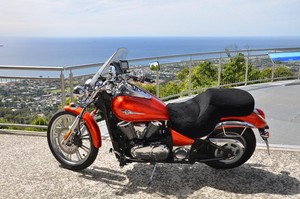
<point>241,144</point>
<point>80,152</point>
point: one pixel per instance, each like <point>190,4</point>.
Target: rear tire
<point>77,155</point>
<point>241,153</point>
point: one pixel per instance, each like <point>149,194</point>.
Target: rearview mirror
<point>154,66</point>
<point>124,65</point>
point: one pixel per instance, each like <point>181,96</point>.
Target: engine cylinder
<point>152,128</point>
<point>127,129</point>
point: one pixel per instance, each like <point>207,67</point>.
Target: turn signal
<point>261,113</point>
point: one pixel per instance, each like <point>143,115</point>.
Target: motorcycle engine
<point>139,130</point>
<point>143,132</point>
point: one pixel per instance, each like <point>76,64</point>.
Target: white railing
<point>64,77</point>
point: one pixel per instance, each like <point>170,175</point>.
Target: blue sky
<point>94,18</point>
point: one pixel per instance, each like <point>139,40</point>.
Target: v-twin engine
<point>139,130</point>
<point>135,132</point>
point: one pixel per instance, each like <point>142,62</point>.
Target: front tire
<point>80,153</point>
<point>242,150</point>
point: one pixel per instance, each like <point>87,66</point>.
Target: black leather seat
<point>198,116</point>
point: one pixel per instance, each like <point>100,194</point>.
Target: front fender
<point>90,123</point>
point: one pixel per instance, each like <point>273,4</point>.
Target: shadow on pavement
<point>183,180</point>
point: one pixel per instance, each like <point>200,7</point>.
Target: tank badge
<point>129,112</point>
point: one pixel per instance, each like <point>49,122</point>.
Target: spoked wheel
<point>240,144</point>
<point>80,152</point>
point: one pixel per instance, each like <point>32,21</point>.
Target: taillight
<point>261,113</point>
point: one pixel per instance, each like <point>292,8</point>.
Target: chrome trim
<point>234,123</point>
<point>129,112</point>
<point>181,153</point>
<point>223,141</point>
<point>132,90</point>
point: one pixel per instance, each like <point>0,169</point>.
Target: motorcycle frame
<point>254,120</point>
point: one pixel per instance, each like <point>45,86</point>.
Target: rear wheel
<point>80,152</point>
<point>240,143</point>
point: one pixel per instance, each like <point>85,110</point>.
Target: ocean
<point>78,51</point>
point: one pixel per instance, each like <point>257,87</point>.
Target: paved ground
<point>281,103</point>
<point>28,170</point>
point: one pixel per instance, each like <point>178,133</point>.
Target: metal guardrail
<point>68,73</point>
<point>24,125</point>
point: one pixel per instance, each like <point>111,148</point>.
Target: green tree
<point>203,75</point>
<point>2,120</point>
<point>235,70</point>
<point>39,121</point>
<point>183,73</point>
<point>149,87</point>
<point>282,71</point>
<point>68,100</point>
<point>266,73</point>
<point>170,88</point>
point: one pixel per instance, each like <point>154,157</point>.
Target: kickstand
<point>267,143</point>
<point>152,174</point>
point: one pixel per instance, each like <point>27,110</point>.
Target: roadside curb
<point>279,147</point>
<point>26,133</point>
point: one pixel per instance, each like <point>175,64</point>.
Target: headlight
<point>79,92</point>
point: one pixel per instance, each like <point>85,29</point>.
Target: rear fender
<point>90,123</point>
<point>253,119</point>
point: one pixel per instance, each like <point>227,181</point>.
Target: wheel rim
<point>237,148</point>
<point>70,153</point>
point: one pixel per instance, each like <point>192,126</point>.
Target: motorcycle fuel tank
<point>139,109</point>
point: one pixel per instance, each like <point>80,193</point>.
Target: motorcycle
<point>214,127</point>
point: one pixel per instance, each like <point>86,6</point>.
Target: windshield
<point>120,54</point>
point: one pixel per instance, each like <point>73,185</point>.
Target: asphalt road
<point>281,103</point>
<point>28,170</point>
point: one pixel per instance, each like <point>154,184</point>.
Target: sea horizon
<point>69,51</point>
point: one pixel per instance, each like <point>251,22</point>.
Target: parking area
<point>28,170</point>
<point>281,103</point>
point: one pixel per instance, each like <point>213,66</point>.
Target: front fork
<point>265,134</point>
<point>71,132</point>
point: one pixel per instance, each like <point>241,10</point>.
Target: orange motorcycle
<point>214,127</point>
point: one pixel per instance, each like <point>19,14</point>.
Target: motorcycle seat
<point>198,116</point>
